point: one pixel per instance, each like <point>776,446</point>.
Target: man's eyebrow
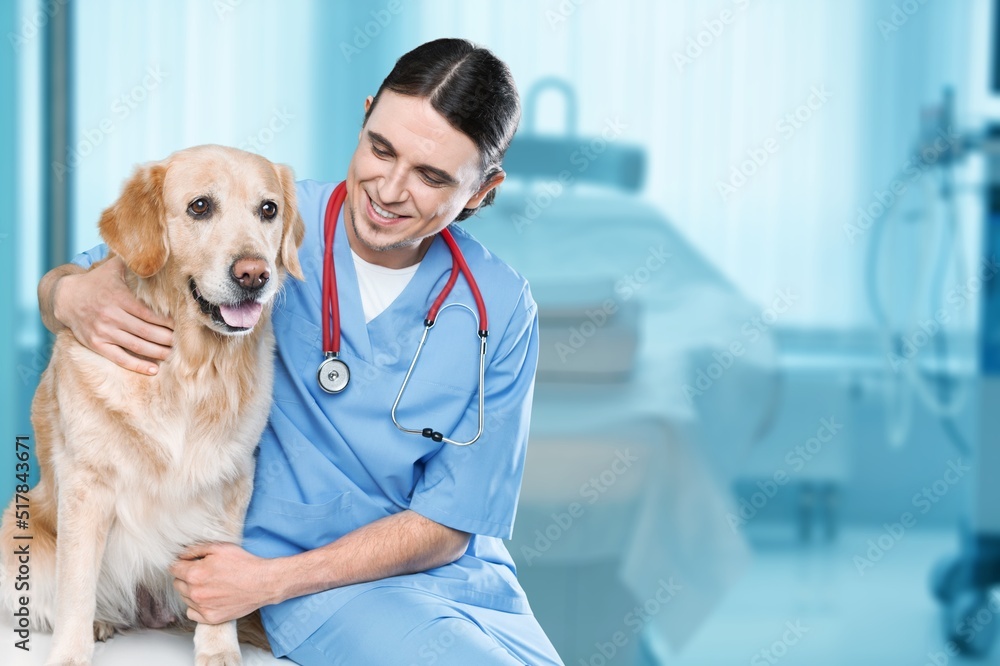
<point>438,173</point>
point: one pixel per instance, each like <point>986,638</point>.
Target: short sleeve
<point>475,488</point>
<point>91,256</point>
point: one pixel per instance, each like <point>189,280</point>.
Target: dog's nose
<point>250,273</point>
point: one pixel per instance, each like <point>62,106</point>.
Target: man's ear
<point>293,229</point>
<point>491,183</point>
<point>135,226</point>
<point>368,105</point>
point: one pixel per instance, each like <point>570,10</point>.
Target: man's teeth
<point>382,211</point>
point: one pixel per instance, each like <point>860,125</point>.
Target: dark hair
<point>471,88</point>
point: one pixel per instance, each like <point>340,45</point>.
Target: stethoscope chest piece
<point>333,374</point>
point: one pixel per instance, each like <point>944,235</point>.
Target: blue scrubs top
<point>329,464</point>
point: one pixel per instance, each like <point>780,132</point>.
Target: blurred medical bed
<point>642,412</point>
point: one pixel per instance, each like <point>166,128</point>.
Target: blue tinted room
<point>762,238</point>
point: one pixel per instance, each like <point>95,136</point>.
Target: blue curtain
<point>767,124</point>
<point>9,193</point>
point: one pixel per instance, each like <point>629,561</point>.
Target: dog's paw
<point>221,659</point>
<point>69,657</point>
<point>103,630</point>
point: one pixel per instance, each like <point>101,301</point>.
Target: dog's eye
<point>199,207</point>
<point>268,209</point>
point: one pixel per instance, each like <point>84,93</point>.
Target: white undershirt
<point>380,285</point>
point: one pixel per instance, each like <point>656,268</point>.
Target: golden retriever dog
<point>134,468</point>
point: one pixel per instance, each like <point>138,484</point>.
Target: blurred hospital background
<point>763,237</point>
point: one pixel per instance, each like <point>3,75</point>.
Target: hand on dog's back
<point>104,316</point>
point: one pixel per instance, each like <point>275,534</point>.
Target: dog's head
<point>218,224</point>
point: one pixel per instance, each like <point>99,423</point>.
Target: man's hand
<point>221,582</point>
<point>105,317</point>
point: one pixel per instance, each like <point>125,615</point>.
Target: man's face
<point>411,175</point>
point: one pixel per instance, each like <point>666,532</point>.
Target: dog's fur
<point>133,467</point>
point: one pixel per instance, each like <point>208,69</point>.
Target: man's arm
<point>220,582</point>
<point>104,315</point>
<point>47,292</point>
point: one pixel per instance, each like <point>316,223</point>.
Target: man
<point>365,544</point>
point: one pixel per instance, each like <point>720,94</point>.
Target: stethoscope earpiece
<point>430,433</point>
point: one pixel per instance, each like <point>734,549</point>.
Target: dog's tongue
<point>244,315</point>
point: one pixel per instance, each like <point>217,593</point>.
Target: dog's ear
<point>294,230</point>
<point>135,226</point>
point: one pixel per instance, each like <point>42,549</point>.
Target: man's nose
<point>393,187</point>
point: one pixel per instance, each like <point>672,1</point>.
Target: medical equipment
<point>334,375</point>
<point>962,584</point>
<point>938,388</point>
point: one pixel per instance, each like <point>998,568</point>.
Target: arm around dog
<point>47,291</point>
<point>104,316</point>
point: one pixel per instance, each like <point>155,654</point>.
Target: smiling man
<point>364,543</point>
<point>411,175</point>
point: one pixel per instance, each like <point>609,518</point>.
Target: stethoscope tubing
<point>430,432</point>
<point>338,372</point>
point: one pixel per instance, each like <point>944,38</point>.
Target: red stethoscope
<point>334,375</point>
